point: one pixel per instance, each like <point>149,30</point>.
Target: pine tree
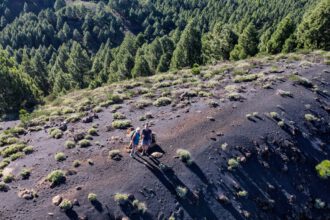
<point>59,4</point>
<point>314,30</point>
<point>278,38</point>
<point>26,8</point>
<point>188,49</point>
<point>40,70</point>
<point>247,44</point>
<point>123,62</point>
<point>141,67</point>
<point>79,65</point>
<point>17,89</point>
<point>217,44</point>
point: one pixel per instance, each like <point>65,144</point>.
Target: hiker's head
<point>138,129</point>
<point>146,125</point>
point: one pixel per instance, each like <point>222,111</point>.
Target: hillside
<point>234,140</point>
<point>50,48</point>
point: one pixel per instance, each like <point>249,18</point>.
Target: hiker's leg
<point>133,149</point>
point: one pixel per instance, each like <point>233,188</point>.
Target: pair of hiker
<point>146,137</point>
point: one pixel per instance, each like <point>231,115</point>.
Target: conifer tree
<point>314,30</point>
<point>79,65</point>
<point>188,49</point>
<point>141,67</point>
<point>281,34</point>
<point>247,44</point>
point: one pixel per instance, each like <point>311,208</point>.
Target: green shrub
<point>92,131</point>
<point>12,149</point>
<point>162,101</point>
<point>301,81</point>
<point>246,78</point>
<point>76,163</point>
<point>55,133</point>
<point>8,178</point>
<point>181,191</point>
<point>24,116</point>
<point>311,118</point>
<point>121,124</point>
<point>114,154</point>
<point>141,207</point>
<point>120,197</point>
<point>84,143</point>
<point>141,104</point>
<point>232,163</point>
<point>16,156</point>
<point>97,109</point>
<point>65,205</point>
<point>4,163</point>
<point>323,169</point>
<point>25,173</point>
<point>281,123</point>
<point>115,98</point>
<point>60,156</point>
<point>56,177</point>
<point>319,204</point>
<point>17,130</point>
<point>184,155</point>
<point>234,96</point>
<point>242,193</point>
<point>70,144</point>
<point>196,70</point>
<point>92,197</point>
<point>3,187</point>
<point>274,115</point>
<point>118,115</point>
<point>67,110</point>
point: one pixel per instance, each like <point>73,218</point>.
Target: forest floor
<point>272,156</point>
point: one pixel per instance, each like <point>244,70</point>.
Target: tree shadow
<point>71,214</point>
<point>194,205</point>
<point>97,205</point>
<point>193,167</point>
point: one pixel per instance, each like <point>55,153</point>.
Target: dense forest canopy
<point>50,47</point>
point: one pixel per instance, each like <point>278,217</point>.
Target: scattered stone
<point>57,200</point>
<point>27,194</point>
<point>246,214</point>
<point>83,217</point>
<point>50,213</point>
<point>210,118</point>
<point>78,188</point>
<point>63,126</point>
<point>75,202</point>
<point>157,154</point>
<point>223,199</point>
<point>79,136</point>
<point>87,119</point>
<point>109,128</point>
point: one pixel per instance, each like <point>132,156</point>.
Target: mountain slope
<point>247,161</point>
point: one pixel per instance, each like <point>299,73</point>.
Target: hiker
<point>146,139</point>
<point>135,139</point>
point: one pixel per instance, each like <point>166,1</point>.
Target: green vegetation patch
<point>162,101</point>
<point>323,169</point>
<point>121,124</point>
